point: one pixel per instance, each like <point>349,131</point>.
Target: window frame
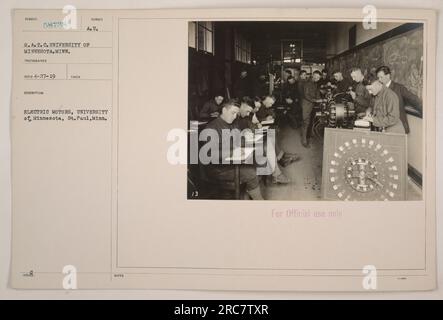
<point>242,49</point>
<point>208,46</point>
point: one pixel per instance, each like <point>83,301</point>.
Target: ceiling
<point>266,38</point>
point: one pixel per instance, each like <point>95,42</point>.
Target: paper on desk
<point>255,138</point>
<point>241,154</point>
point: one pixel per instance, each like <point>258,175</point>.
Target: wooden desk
<point>240,155</point>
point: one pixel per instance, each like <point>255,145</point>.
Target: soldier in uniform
<point>225,172</point>
<point>290,97</point>
<point>311,95</point>
<point>212,108</point>
<point>386,111</point>
<point>360,95</point>
<point>341,84</point>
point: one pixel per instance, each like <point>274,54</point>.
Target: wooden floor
<point>306,173</point>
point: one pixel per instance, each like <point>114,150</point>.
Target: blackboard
<point>403,54</point>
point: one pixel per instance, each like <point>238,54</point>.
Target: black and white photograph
<point>305,110</point>
<point>135,132</point>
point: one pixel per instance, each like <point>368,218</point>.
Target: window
<point>292,51</point>
<point>200,36</point>
<point>242,49</point>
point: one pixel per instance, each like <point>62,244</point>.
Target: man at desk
<point>225,172</point>
<point>244,121</point>
<point>247,119</point>
<point>211,109</point>
<point>265,112</point>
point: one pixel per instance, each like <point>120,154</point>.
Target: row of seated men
<point>245,114</point>
<point>376,98</point>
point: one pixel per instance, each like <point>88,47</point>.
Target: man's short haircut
<point>248,101</point>
<point>370,77</point>
<point>325,71</point>
<point>269,96</point>
<point>374,80</point>
<point>353,69</point>
<point>302,72</point>
<point>231,103</point>
<point>316,72</point>
<point>385,70</point>
<point>219,94</point>
<point>337,71</point>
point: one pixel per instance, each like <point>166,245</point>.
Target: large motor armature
<point>340,115</point>
<point>334,112</point>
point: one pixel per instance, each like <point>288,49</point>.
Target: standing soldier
<point>360,95</point>
<point>311,95</point>
<point>403,94</point>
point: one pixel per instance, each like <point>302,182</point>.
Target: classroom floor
<point>306,173</point>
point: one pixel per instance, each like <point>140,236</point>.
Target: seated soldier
<point>257,106</point>
<point>243,122</point>
<point>265,112</point>
<point>211,109</point>
<point>222,127</point>
<point>246,114</point>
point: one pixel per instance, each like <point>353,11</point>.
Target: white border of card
<point>96,205</point>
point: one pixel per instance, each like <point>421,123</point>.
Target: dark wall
<point>209,74</point>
